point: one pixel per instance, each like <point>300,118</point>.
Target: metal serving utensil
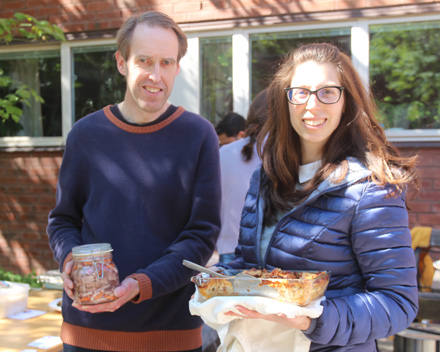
<point>202,269</point>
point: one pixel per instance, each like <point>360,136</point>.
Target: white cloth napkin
<point>254,335</point>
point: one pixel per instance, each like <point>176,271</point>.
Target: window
<point>405,74</point>
<point>269,49</point>
<point>96,80</point>
<point>40,71</point>
<point>216,86</point>
<point>401,60</point>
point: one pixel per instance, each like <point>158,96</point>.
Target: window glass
<point>269,48</point>
<point>216,66</point>
<point>405,74</point>
<point>41,72</point>
<point>96,79</point>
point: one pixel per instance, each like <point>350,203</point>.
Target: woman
<point>330,195</point>
<point>238,161</point>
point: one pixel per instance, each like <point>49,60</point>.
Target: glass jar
<point>94,274</point>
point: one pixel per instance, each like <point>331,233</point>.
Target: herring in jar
<point>94,274</point>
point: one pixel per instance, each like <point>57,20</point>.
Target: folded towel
<point>421,238</point>
<point>254,335</point>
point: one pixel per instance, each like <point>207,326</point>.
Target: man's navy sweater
<point>153,193</point>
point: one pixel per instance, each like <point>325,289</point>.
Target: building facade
<point>234,47</point>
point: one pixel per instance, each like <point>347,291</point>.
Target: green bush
<point>30,279</point>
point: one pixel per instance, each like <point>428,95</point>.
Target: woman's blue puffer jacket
<point>360,233</point>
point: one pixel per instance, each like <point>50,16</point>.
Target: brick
<point>35,3</point>
<point>430,196</point>
<point>429,219</point>
<point>40,189</point>
<point>126,4</point>
<point>430,172</point>
<point>187,6</point>
<point>13,5</point>
<point>8,217</point>
<point>48,11</point>
<point>97,6</point>
<point>413,221</point>
<point>31,236</point>
<point>215,4</point>
<point>420,207</point>
<point>165,8</point>
<point>245,3</point>
<point>107,15</point>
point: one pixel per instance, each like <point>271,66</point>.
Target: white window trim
<point>190,77</point>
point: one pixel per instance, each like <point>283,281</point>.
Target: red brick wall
<point>96,15</point>
<point>27,194</point>
<point>425,208</point>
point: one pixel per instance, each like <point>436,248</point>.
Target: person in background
<point>331,195</point>
<point>230,128</point>
<point>142,175</point>
<point>238,160</point>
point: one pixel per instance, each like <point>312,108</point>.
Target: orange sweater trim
<point>149,341</point>
<point>145,288</point>
<point>142,129</point>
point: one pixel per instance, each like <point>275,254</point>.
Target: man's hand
<point>301,322</point>
<point>67,281</point>
<point>128,289</point>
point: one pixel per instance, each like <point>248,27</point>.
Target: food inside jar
<point>94,282</point>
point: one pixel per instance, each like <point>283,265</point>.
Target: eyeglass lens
<point>326,95</point>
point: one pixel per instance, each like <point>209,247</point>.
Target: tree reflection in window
<point>97,81</point>
<point>405,74</point>
<point>41,72</point>
<point>269,48</point>
<point>216,66</point>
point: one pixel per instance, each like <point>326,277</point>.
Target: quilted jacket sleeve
<point>381,242</point>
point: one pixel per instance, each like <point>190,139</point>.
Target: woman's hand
<point>301,322</point>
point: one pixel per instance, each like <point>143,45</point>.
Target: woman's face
<point>315,121</point>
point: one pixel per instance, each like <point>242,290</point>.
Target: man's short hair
<point>231,124</point>
<point>152,19</point>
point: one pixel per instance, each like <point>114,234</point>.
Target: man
<point>231,128</point>
<point>142,175</point>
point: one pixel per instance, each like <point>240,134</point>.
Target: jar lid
<point>91,249</point>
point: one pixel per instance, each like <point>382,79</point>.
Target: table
<point>16,334</point>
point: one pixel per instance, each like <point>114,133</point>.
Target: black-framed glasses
<point>326,95</point>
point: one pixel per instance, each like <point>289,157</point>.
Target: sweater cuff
<point>145,288</point>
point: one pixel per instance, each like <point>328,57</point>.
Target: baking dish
<point>295,286</point>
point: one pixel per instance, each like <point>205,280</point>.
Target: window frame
<point>189,79</point>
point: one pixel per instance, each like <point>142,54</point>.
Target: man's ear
<point>241,134</point>
<point>120,63</point>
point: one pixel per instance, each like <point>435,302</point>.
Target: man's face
<point>150,71</point>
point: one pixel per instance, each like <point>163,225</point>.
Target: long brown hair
<point>358,135</point>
